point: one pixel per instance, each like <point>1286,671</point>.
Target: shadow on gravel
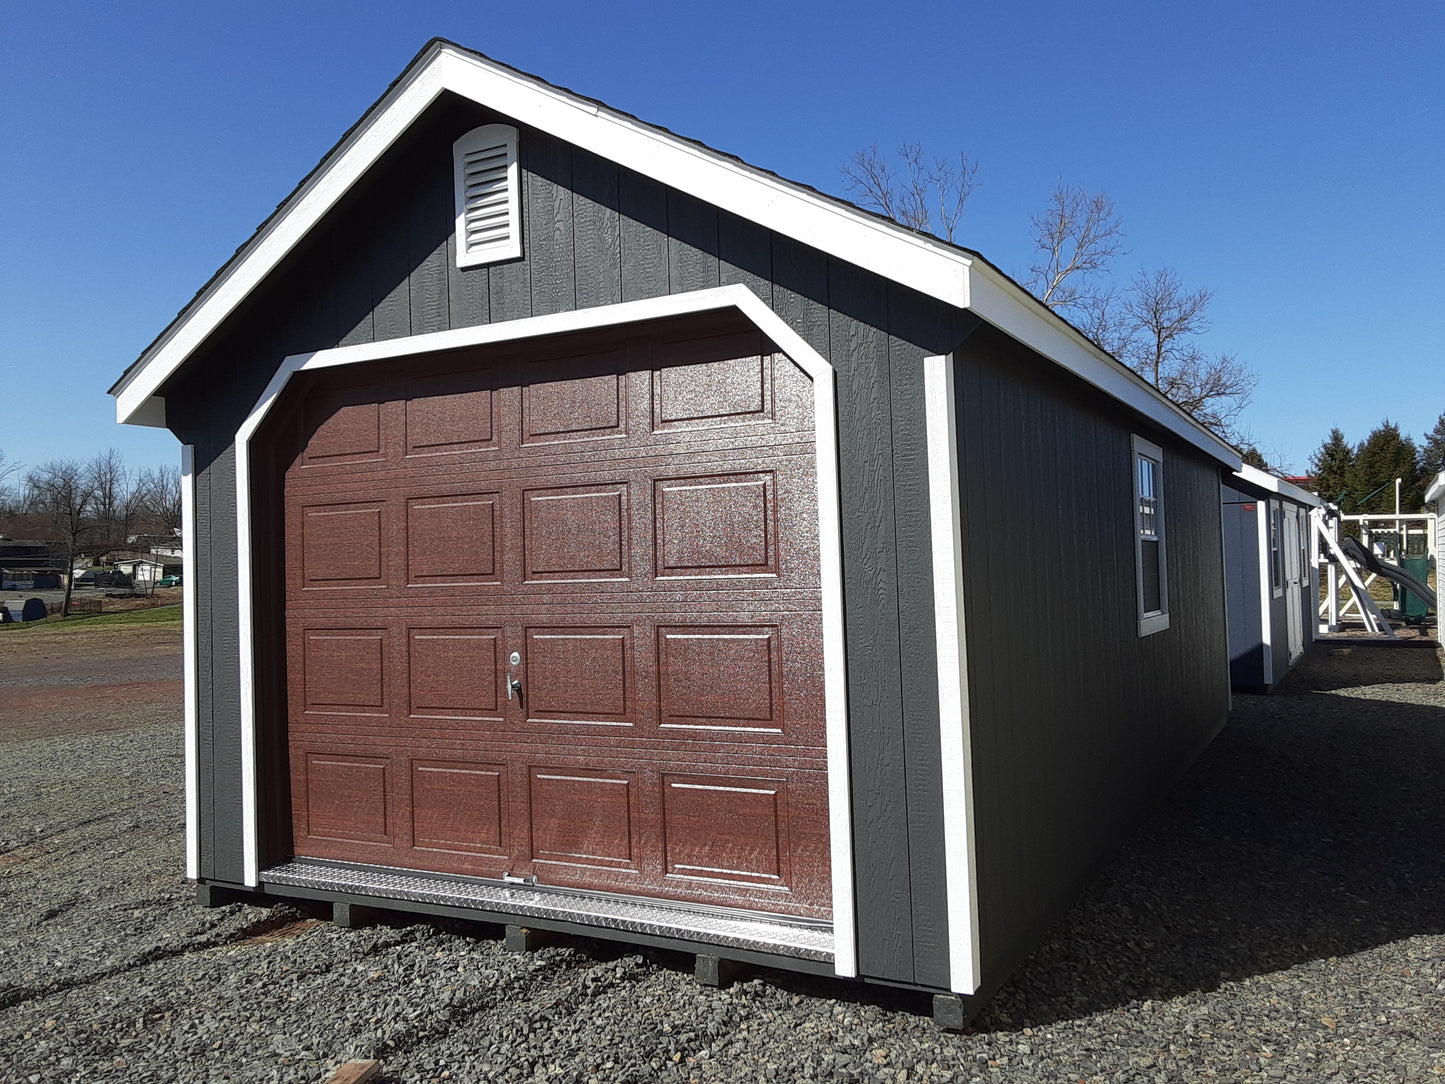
<point>1312,827</point>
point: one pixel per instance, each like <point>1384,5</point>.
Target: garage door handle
<point>514,687</point>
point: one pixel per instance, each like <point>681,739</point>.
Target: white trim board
<point>927,265</point>
<point>830,540</point>
<point>946,541</point>
<point>1264,480</point>
<point>188,660</point>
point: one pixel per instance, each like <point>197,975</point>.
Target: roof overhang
<point>932,267</point>
<point>1264,480</point>
<point>1436,491</point>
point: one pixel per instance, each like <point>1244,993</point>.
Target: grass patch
<point>157,615</point>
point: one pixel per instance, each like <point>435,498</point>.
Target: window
<point>1151,568</point>
<point>488,201</point>
<point>1276,550</point>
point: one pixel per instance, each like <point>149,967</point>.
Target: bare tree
<point>114,496</point>
<point>63,491</point>
<point>1162,319</point>
<point>1076,237</point>
<point>9,499</point>
<point>160,489</point>
<point>927,194</point>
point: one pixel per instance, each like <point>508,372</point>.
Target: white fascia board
<point>1009,308</point>
<point>1279,486</point>
<point>911,259</point>
<point>1436,490</point>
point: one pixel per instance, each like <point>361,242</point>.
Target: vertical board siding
<point>594,234</point>
<point>1070,746</point>
<point>870,599</point>
<point>692,260</point>
<point>428,229</point>
<point>597,230</point>
<point>547,223</point>
<point>642,203</point>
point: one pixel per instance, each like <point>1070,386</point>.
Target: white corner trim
<point>1010,308</point>
<point>1266,592</point>
<point>830,539</point>
<point>916,261</point>
<point>188,660</point>
<point>946,543</point>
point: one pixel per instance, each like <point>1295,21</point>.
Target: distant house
<point>622,539</point>
<point>27,564</point>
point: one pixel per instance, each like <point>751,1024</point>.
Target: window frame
<point>1150,621</point>
<point>1276,547</point>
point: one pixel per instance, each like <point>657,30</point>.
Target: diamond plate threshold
<point>799,938</point>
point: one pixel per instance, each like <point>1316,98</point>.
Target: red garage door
<point>558,616</point>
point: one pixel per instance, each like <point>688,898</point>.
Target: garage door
<point>556,615</point>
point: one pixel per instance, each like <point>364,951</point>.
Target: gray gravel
<point>1281,917</point>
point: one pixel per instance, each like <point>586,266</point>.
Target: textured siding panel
<point>1070,745</point>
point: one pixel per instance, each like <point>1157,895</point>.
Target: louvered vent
<point>488,208</point>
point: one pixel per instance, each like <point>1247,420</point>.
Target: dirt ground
<point>67,679</point>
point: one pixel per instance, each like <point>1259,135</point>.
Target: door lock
<point>514,687</point>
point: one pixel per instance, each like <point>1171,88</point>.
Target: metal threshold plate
<point>741,930</point>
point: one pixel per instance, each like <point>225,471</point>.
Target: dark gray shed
<point>589,530</point>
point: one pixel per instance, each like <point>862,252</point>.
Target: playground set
<point>1399,548</point>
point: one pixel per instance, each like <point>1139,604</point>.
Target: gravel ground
<point>1282,917</point>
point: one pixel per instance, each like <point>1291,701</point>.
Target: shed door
<point>626,531</point>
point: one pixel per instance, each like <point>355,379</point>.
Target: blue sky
<point>1288,156</point>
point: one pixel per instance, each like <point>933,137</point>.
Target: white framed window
<point>488,195</point>
<point>1276,549</point>
<point>1151,568</point>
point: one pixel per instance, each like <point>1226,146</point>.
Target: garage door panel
<point>580,675</point>
<point>345,425</point>
<point>715,525</point>
<point>577,533</point>
<point>459,806</point>
<point>721,678</point>
<point>726,828</point>
<point>342,544</point>
<point>575,409</point>
<point>452,539</point>
<point>731,392</point>
<point>450,413</point>
<point>345,797</point>
<point>455,673</point>
<point>343,671</point>
<point>581,817</point>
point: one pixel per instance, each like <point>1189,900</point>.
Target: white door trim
<point>830,540</point>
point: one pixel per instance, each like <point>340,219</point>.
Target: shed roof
<point>1275,484</point>
<point>1437,489</point>
<point>949,273</point>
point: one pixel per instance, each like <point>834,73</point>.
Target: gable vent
<point>489,216</point>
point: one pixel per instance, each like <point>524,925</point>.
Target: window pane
<point>1149,569</point>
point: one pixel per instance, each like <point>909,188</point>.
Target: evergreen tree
<point>1382,457</point>
<point>1331,466</point>
<point>1254,457</point>
<point>1432,453</point>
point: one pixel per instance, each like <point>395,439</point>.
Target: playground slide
<point>1392,572</point>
